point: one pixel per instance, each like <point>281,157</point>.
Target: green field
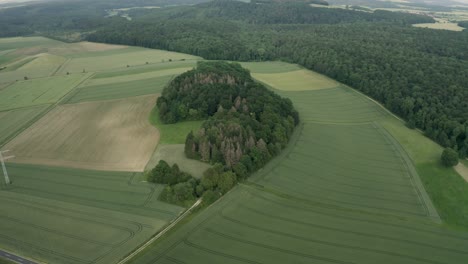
<point>120,90</point>
<point>61,215</point>
<point>119,59</point>
<point>344,191</point>
<point>174,154</point>
<point>14,121</point>
<point>39,91</point>
<point>65,215</point>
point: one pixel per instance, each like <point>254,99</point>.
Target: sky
<point>440,2</point>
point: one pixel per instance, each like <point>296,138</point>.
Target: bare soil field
<point>106,135</point>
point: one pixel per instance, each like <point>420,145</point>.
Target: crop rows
<point>343,191</point>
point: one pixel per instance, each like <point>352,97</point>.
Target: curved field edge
<point>126,209</point>
<point>174,248</point>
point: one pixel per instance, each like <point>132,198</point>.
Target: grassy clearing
<point>59,215</point>
<point>443,26</point>
<point>174,153</point>
<point>39,91</point>
<point>173,133</point>
<point>108,135</point>
<point>344,191</point>
<point>15,120</point>
<point>120,90</point>
<point>119,59</point>
<point>301,80</point>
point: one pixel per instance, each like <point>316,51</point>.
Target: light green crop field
<point>119,59</point>
<point>13,121</point>
<point>146,68</point>
<point>300,80</point>
<point>120,90</point>
<point>39,91</point>
<point>60,215</point>
<point>343,191</point>
<point>137,76</point>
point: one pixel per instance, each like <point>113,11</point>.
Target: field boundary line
<point>415,179</point>
<point>161,233</point>
<point>42,114</point>
<point>60,67</point>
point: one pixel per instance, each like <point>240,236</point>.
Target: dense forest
<point>247,123</point>
<point>419,74</point>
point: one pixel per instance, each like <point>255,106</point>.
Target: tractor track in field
<point>91,199</point>
<point>311,240</point>
<point>375,197</point>
<point>312,209</point>
<point>336,179</point>
<point>318,226</point>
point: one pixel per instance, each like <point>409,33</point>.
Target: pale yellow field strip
<point>42,61</point>
<point>135,77</point>
<point>300,80</point>
<point>83,47</point>
<point>443,26</point>
<point>106,135</point>
<point>462,170</point>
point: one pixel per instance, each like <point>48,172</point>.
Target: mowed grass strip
<point>300,80</point>
<point>14,120</point>
<point>120,90</point>
<point>447,189</point>
<point>38,91</point>
<point>158,66</point>
<point>137,77</point>
<point>106,135</point>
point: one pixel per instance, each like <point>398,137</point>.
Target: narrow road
<point>149,242</point>
<point>15,258</point>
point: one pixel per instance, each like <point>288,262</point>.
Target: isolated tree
<point>160,173</point>
<point>25,78</point>
<point>449,157</point>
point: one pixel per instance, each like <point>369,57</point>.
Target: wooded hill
<point>246,124</point>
